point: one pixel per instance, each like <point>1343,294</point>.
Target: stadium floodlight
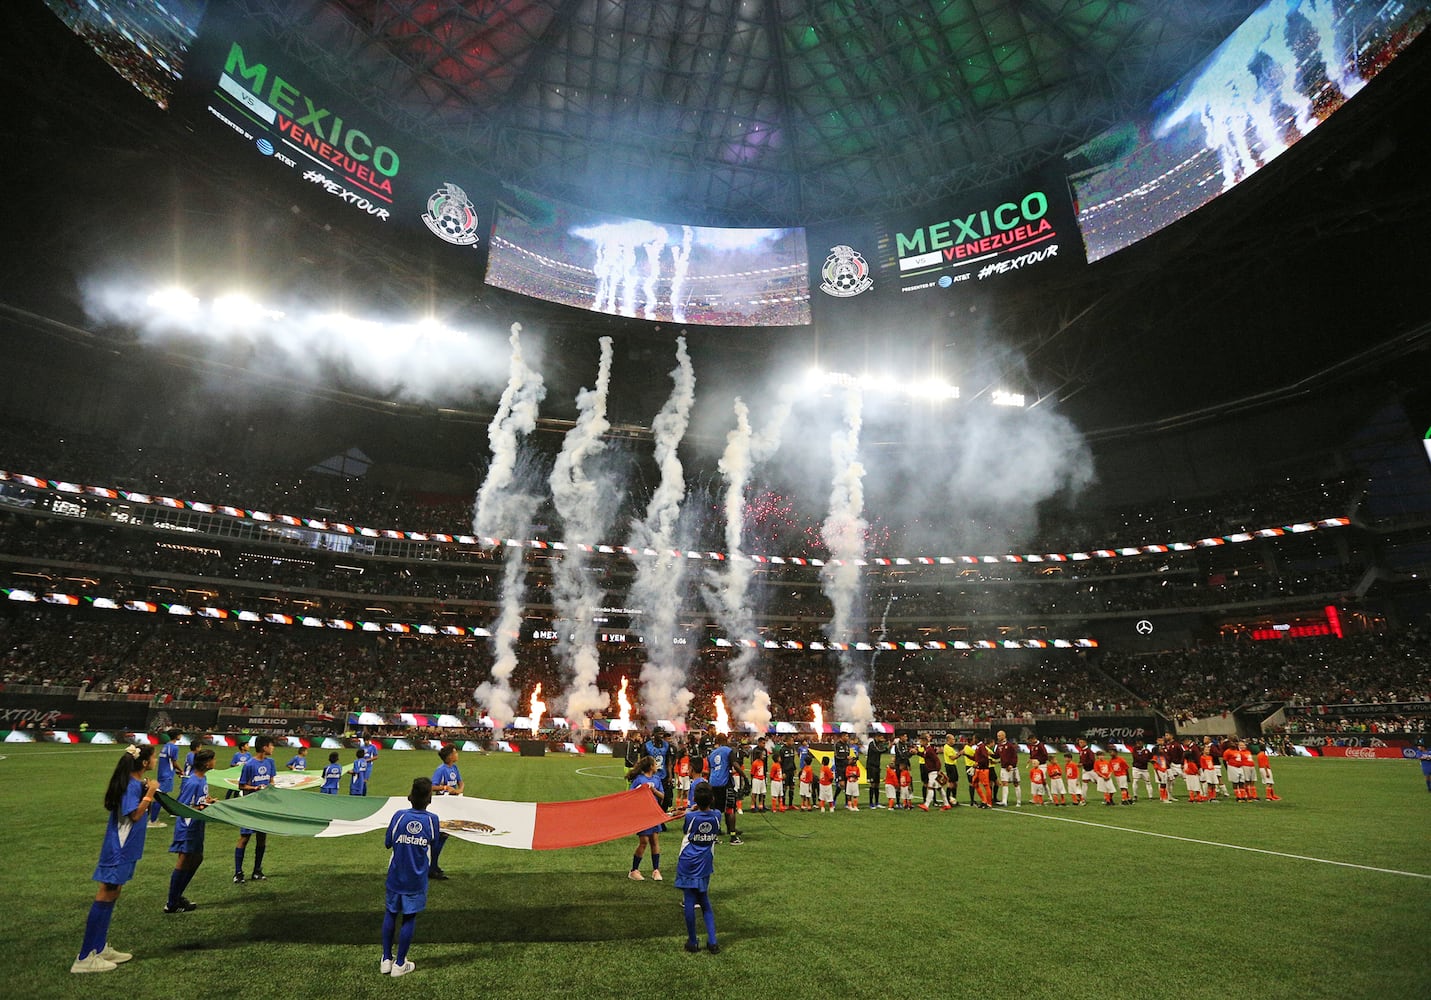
<point>1002,397</point>
<point>241,310</point>
<point>881,384</point>
<point>934,389</point>
<point>174,304</point>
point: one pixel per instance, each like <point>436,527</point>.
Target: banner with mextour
<point>931,260</point>
<point>262,106</point>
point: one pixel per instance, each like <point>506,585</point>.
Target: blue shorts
<point>188,845</point>
<point>700,883</point>
<point>246,832</point>
<point>407,903</point>
<point>114,874</point>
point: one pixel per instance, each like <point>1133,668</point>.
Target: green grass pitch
<point>1010,903</point>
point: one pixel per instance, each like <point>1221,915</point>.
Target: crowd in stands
<point>117,562</point>
<point>1209,679</point>
<point>304,492</point>
<point>255,667</point>
<point>292,668</point>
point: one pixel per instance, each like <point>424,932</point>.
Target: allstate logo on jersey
<point>845,273</point>
<point>450,215</point>
<point>414,826</point>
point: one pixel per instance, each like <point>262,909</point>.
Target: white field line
<point>1214,843</point>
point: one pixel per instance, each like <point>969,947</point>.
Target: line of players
<point>779,776</point>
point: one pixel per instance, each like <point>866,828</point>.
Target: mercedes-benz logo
<point>1144,627</point>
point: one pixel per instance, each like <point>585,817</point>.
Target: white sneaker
<point>635,876</point>
<point>117,957</point>
<point>656,875</point>
<point>156,823</point>
<point>385,966</point>
<point>92,963</point>
<point>402,970</point>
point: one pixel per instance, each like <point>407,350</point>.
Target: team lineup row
<point>778,776</point>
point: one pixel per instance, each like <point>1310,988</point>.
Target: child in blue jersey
<point>332,774</point>
<point>188,842</point>
<point>299,761</point>
<point>168,765</point>
<point>358,777</point>
<point>644,775</point>
<point>699,833</point>
<point>195,745</point>
<point>256,775</point>
<point>127,800</point>
<point>411,834</point>
<point>446,780</point>
<point>239,759</point>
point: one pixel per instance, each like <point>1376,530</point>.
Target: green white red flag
<point>539,826</point>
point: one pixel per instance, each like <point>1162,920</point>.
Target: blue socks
<point>238,860</point>
<point>389,925</point>
<point>96,927</point>
<point>694,897</point>
<point>655,861</point>
<point>409,924</point>
<point>404,935</point>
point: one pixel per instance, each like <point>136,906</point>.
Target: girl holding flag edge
<point>127,799</point>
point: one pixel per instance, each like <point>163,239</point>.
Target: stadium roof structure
<point>765,112</point>
<point>752,112</point>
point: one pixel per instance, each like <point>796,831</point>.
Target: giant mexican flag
<point>539,826</point>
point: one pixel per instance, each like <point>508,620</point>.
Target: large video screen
<point>144,40</point>
<point>1285,70</point>
<point>649,270</point>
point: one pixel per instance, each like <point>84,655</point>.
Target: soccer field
<point>1325,894</point>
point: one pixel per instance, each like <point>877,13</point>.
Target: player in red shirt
<point>1036,778</point>
<point>1119,768</point>
<point>827,786</point>
<point>1072,771</point>
<point>1008,753</point>
<point>1142,757</point>
<point>1103,774</point>
<point>1264,766</point>
<point>1085,764</point>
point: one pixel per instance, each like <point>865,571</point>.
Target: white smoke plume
<point>505,506</point>
<point>499,505</point>
<point>423,361</point>
<point>497,694</point>
<point>728,590</point>
<point>579,502</point>
<point>657,589</point>
<point>844,535</point>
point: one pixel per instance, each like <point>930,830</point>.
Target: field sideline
<point>1057,903</point>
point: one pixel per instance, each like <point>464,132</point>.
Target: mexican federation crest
<point>450,215</point>
<point>845,273</point>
